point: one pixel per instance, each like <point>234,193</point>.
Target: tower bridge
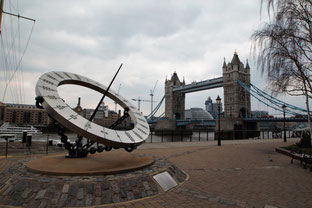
<point>236,99</point>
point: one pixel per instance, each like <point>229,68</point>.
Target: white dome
<point>198,114</point>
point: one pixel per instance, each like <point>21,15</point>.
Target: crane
<point>115,101</point>
<point>139,101</point>
<point>152,94</point>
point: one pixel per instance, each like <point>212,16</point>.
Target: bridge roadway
<point>213,122</point>
<point>277,119</point>
<point>198,86</point>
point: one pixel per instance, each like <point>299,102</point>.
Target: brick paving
<point>246,173</point>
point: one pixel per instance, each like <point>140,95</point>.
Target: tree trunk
<point>308,112</point>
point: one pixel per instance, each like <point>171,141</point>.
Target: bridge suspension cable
<point>154,111</point>
<point>271,101</point>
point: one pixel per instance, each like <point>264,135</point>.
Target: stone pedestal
<point>166,125</point>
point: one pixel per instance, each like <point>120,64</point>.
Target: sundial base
<point>98,164</point>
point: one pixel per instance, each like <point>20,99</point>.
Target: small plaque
<point>165,181</point>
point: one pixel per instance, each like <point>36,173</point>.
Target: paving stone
<point>16,200</point>
<point>105,185</point>
<point>130,195</point>
<point>89,200</point>
<point>150,193</point>
<point>55,198</point>
<point>4,187</point>
<point>116,198</point>
<point>79,203</point>
<point>123,193</point>
<point>97,201</point>
<point>90,188</point>
<point>40,194</point>
<point>72,190</point>
<point>213,199</point>
<point>20,185</point>
<point>133,183</point>
<point>65,188</point>
<point>8,190</point>
<point>80,194</point>
<point>202,197</point>
<point>34,203</point>
<point>8,182</point>
<point>98,190</point>
<point>106,197</point>
<point>36,187</point>
<point>143,193</point>
<point>63,200</point>
<point>227,202</point>
<point>115,187</point>
<point>146,185</point>
<point>71,202</point>
<point>43,204</point>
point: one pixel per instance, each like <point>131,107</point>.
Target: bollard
<point>162,136</point>
<point>181,136</point>
<point>28,140</point>
<point>24,136</point>
<point>48,143</point>
<point>6,147</point>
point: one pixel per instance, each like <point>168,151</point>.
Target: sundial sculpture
<point>99,138</point>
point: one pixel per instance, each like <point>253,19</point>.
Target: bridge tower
<point>236,100</point>
<point>175,101</point>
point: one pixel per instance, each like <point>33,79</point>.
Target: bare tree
<point>283,48</point>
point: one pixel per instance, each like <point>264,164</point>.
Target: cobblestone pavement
<point>245,173</point>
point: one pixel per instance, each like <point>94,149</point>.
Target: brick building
<point>22,114</point>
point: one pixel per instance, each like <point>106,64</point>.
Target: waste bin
<point>28,140</point>
<point>24,136</point>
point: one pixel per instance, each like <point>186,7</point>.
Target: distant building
<point>103,116</point>
<point>22,114</point>
<point>197,114</point>
<point>212,108</point>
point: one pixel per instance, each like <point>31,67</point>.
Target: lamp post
<point>284,109</point>
<point>219,109</point>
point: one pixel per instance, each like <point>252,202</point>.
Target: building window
<point>14,117</point>
<point>39,117</point>
<point>26,117</point>
<point>2,113</point>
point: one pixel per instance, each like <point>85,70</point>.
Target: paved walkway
<point>245,173</point>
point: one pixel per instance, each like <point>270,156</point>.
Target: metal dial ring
<point>56,107</point>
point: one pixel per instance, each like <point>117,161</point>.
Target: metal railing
<point>208,135</point>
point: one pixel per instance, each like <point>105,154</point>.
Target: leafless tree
<point>283,48</point>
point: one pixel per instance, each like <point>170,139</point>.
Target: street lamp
<point>219,109</point>
<point>284,109</point>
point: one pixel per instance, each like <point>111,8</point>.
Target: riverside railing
<point>207,135</point>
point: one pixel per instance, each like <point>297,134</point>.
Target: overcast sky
<point>151,38</point>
